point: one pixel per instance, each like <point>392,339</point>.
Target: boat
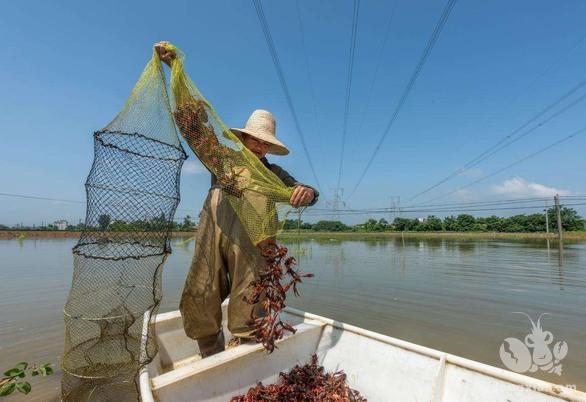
<point>381,368</point>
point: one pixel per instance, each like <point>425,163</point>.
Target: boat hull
<point>381,368</point>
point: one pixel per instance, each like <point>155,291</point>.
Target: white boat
<point>381,368</point>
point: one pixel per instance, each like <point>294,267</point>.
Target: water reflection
<point>450,294</point>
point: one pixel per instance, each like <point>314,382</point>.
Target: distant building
<point>422,220</point>
<point>61,225</point>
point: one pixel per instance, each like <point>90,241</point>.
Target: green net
<point>253,190</point>
<point>132,194</point>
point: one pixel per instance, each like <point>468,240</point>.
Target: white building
<point>61,225</point>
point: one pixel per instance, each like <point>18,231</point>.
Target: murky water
<point>454,295</point>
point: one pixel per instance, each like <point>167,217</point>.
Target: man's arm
<point>303,195</point>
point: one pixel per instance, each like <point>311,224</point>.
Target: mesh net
<point>132,194</point>
<point>255,193</point>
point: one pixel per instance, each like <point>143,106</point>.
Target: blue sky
<point>67,68</point>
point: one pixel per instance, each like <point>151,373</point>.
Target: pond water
<point>454,295</point>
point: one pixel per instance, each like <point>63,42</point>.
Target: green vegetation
<point>105,223</point>
<point>14,377</point>
<point>523,223</point>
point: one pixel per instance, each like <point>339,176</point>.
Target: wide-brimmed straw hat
<point>262,125</point>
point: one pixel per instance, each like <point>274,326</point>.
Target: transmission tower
<point>395,209</point>
<point>337,202</point>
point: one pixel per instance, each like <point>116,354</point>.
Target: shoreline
<point>438,235</point>
<point>59,234</point>
<point>287,235</point>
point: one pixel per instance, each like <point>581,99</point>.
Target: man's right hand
<point>166,55</point>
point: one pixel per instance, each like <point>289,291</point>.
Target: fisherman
<point>225,260</point>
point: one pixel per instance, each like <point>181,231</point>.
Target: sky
<point>67,68</point>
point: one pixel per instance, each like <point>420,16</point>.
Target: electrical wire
<point>401,210</point>
<point>348,85</point>
<point>42,198</point>
<point>275,57</point>
<point>540,151</point>
<point>419,66</point>
<point>509,138</point>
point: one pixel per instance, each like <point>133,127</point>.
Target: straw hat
<point>261,125</point>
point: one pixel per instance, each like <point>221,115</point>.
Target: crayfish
<point>309,383</point>
<point>269,290</point>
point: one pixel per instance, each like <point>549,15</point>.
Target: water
<point>448,294</point>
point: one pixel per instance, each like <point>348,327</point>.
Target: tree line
<point>106,223</point>
<point>571,221</point>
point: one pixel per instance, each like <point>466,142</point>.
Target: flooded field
<point>455,295</point>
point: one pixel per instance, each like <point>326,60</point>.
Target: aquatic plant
<point>14,377</point>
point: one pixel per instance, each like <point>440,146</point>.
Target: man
<point>225,260</point>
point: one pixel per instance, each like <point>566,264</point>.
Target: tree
<point>450,223</point>
<point>119,226</point>
<point>187,223</point>
<point>401,224</point>
<point>465,222</point>
<point>494,223</point>
<point>291,224</point>
<point>571,221</point>
<point>330,226</point>
<point>433,224</point>
<point>370,225</point>
<point>104,221</point>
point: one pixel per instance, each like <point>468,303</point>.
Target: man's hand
<point>301,196</point>
<point>166,55</point>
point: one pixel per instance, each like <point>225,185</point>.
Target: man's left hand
<point>301,196</point>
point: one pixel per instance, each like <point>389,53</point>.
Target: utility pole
<point>546,218</point>
<point>559,216</point>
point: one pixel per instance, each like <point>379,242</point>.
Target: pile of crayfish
<point>308,383</point>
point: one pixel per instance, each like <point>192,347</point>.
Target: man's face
<point>256,146</point>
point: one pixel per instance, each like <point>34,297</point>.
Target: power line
<point>552,66</point>
<point>575,133</point>
<point>386,210</point>
<point>34,197</point>
<point>508,139</point>
<point>307,70</point>
<point>461,204</point>
<point>377,68</point>
<point>422,60</point>
<point>495,202</point>
<point>349,84</point>
<point>539,125</point>
<point>42,198</point>
<point>440,207</point>
<point>275,57</point>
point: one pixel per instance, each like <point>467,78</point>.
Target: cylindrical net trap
<point>132,194</point>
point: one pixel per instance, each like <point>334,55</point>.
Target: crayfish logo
<point>534,353</point>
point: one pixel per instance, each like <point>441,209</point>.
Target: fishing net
<point>132,194</point>
<point>255,193</point>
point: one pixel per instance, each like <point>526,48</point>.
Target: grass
<point>55,234</point>
<point>309,234</point>
<point>292,235</point>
